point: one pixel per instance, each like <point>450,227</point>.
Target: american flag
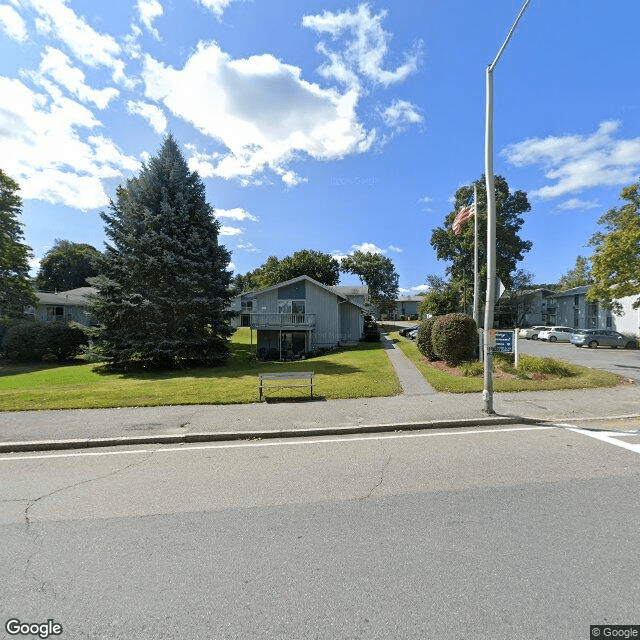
<point>466,213</point>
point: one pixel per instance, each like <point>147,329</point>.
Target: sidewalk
<point>419,407</point>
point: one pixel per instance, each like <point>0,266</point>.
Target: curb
<point>188,438</point>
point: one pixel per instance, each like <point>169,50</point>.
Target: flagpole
<point>475,254</point>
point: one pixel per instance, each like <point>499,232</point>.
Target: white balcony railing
<point>280,320</point>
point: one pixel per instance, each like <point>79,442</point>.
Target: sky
<point>323,124</point>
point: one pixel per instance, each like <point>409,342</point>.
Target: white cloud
<point>265,114</point>
<point>230,231</point>
<point>365,47</point>
<point>42,148</point>
<point>235,214</point>
<point>401,113</point>
<point>577,162</point>
<point>247,246</point>
<point>216,6</point>
<point>417,290</point>
<point>57,66</point>
<point>150,112</point>
<point>575,203</point>
<point>12,23</point>
<point>87,45</point>
<point>369,247</point>
<point>149,10</point>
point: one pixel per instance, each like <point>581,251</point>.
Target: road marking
<point>255,443</point>
<point>604,437</point>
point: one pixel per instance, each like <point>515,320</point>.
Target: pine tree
<point>15,286</point>
<point>163,284</point>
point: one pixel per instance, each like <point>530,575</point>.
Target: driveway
<point>623,362</point>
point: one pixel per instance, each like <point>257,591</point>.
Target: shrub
<point>32,340</point>
<point>454,338</point>
<point>371,331</point>
<point>423,339</point>
<point>548,366</point>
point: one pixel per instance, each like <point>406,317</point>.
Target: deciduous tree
<point>378,273</point>
<point>67,265</point>
<point>579,276</point>
<point>457,249</point>
<point>163,284</point>
<point>616,257</point>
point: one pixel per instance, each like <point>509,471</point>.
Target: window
<point>291,306</point>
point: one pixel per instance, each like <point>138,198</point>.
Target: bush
<point>32,340</point>
<point>371,331</point>
<point>423,340</point>
<point>548,366</point>
<point>454,338</point>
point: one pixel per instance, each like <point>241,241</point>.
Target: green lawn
<point>582,378</point>
<point>357,372</point>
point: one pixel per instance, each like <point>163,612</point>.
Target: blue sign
<point>504,342</point>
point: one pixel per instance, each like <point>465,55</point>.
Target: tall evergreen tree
<point>15,286</point>
<point>163,284</point>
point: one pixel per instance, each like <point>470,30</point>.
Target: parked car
<point>531,333</point>
<point>413,333</point>
<point>602,338</point>
<point>407,330</point>
<point>556,334</point>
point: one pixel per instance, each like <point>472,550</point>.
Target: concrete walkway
<point>411,380</point>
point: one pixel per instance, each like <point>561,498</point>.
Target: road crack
<point>382,474</point>
<point>37,538</point>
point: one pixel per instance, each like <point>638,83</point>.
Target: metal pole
<point>476,301</point>
<point>487,393</point>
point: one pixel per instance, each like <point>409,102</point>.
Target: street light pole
<point>487,394</point>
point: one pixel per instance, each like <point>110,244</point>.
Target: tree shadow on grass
<point>231,372</point>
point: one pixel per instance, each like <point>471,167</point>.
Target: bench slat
<point>291,375</point>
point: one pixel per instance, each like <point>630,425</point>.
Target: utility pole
<point>487,394</point>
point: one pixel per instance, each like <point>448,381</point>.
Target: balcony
<point>282,320</point>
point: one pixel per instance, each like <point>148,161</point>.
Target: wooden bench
<point>285,380</point>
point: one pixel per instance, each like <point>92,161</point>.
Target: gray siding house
<point>300,315</point>
<point>408,307</point>
<point>64,306</point>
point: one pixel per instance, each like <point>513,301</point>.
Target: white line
<point>293,442</point>
<point>600,435</point>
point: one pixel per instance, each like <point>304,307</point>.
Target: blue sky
<point>323,124</point>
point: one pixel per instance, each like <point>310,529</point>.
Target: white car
<point>557,334</point>
<point>531,333</point>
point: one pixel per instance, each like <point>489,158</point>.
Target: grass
<point>355,372</point>
<point>569,376</point>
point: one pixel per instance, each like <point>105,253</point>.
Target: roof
<point>570,292</point>
<point>418,298</point>
<point>349,290</point>
<point>312,281</point>
<point>78,297</point>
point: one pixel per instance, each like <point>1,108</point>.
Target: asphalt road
<point>623,362</point>
<point>519,532</point>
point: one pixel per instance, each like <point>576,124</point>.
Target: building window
<point>609,321</point>
<point>576,300</point>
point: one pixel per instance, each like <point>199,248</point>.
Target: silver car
<point>531,333</point>
<point>602,338</point>
<point>556,334</point>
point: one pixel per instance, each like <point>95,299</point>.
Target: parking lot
<point>623,362</point>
